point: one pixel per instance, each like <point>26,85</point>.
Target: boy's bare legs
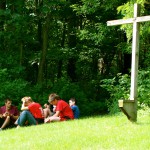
<point>6,122</point>
<point>51,119</point>
<point>47,112</point>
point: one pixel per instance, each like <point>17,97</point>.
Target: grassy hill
<point>93,133</point>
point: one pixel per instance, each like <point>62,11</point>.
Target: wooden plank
<point>143,19</point>
<point>127,21</point>
<point>120,22</point>
<point>135,54</point>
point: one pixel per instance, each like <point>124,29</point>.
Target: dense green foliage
<point>119,88</point>
<point>65,46</point>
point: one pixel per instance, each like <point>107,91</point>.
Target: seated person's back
<point>74,107</point>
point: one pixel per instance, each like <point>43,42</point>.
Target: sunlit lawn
<point>93,133</point>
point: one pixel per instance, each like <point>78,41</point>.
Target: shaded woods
<point>65,46</point>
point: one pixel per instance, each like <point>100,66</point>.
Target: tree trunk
<point>72,25</point>
<point>60,63</point>
<point>45,30</point>
<point>2,7</point>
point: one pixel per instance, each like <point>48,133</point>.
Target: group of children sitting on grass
<point>33,113</point>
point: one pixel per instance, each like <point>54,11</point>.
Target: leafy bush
<point>65,89</point>
<point>117,87</point>
<point>86,104</point>
<point>14,89</point>
<point>143,87</point>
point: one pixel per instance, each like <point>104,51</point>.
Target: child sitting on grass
<point>47,111</point>
<point>74,107</point>
<point>63,111</point>
<point>32,113</point>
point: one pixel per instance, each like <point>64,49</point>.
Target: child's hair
<point>8,99</point>
<point>73,99</point>
<point>27,98</point>
<point>53,96</point>
<point>46,104</point>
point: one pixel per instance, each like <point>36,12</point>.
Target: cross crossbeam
<point>127,21</point>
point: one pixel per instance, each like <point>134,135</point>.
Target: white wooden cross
<point>135,45</point>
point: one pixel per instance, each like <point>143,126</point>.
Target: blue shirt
<point>76,111</point>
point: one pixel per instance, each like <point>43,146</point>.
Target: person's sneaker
<point>1,129</point>
<point>17,127</point>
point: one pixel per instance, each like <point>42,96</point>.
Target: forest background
<point>65,46</point>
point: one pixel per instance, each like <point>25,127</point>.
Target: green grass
<point>93,133</point>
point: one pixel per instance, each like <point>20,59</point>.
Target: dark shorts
<point>39,120</point>
<point>65,118</point>
<point>11,124</point>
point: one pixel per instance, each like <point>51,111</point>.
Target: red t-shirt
<point>36,110</point>
<point>65,110</point>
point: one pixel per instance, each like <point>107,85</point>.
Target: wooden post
<point>129,107</point>
<point>135,54</point>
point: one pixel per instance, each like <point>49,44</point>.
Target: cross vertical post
<point>135,54</point>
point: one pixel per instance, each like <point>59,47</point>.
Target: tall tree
<point>2,20</point>
<point>45,31</point>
